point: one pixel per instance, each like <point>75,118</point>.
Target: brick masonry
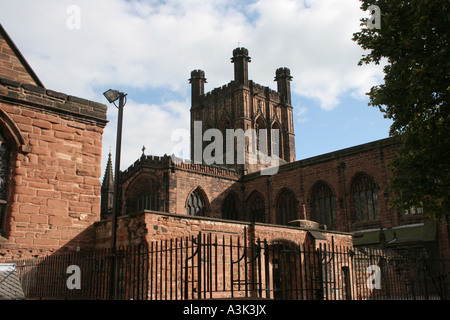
<point>179,180</point>
<point>53,182</point>
<point>337,170</point>
<point>176,180</point>
<point>148,226</point>
<point>13,65</point>
<point>241,104</point>
<point>53,199</point>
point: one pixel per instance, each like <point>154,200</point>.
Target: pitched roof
<point>10,287</point>
<point>20,65</point>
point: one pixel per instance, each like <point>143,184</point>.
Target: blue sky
<point>148,49</point>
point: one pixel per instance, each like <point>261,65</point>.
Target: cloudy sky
<point>147,48</point>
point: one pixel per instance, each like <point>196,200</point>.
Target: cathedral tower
<point>242,105</point>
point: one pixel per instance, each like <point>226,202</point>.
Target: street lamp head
<point>112,95</point>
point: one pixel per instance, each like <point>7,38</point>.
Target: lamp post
<point>112,96</point>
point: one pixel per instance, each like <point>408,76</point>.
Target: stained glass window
<point>144,196</point>
<point>324,205</point>
<point>229,208</point>
<point>286,208</point>
<point>4,164</point>
<point>257,209</point>
<point>365,197</point>
<point>195,205</point>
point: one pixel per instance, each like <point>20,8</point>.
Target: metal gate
<point>208,266</point>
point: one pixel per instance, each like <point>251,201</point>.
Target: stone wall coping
<point>225,221</point>
<point>167,162</point>
<point>382,143</point>
<point>253,86</point>
<point>24,93</point>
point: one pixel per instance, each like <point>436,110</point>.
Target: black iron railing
<point>208,266</point>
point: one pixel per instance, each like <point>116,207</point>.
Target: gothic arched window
<point>276,142</point>
<point>365,198</point>
<point>230,208</point>
<point>261,135</point>
<point>143,195</point>
<point>323,202</point>
<point>228,143</point>
<point>196,205</point>
<point>257,209</point>
<point>4,165</point>
<point>286,208</point>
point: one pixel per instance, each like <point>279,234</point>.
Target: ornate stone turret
<point>197,81</point>
<point>283,78</point>
<point>241,60</point>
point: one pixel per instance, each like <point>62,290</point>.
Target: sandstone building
<point>50,145</point>
<point>50,174</point>
<point>342,191</point>
<point>52,199</point>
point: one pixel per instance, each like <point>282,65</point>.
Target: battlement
<point>240,52</point>
<point>214,170</point>
<point>223,90</point>
<point>264,90</point>
<point>150,160</point>
<point>240,59</point>
<point>197,74</point>
<point>283,73</point>
<point>228,88</point>
<point>175,163</point>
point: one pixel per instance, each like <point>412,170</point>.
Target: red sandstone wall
<point>175,182</point>
<point>300,178</point>
<point>53,187</point>
<point>149,226</point>
<point>10,65</point>
<point>215,188</point>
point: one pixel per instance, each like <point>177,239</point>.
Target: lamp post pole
<point>117,173</point>
<point>115,211</point>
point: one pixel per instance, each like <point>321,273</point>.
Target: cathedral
<point>341,191</point>
<point>242,204</point>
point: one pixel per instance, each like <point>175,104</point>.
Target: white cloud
<point>299,114</point>
<point>149,125</point>
<point>315,43</point>
<point>153,45</point>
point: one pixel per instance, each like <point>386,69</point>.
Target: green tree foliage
<point>413,41</point>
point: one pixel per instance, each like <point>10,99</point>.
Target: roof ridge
<point>20,56</point>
